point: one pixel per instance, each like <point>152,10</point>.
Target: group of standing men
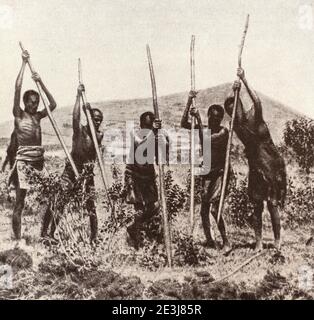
<point>267,175</point>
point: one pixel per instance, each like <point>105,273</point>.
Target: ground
<point>113,270</point>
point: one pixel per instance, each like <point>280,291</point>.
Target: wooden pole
<point>192,139</point>
<point>94,137</point>
<point>162,197</point>
<point>53,122</point>
<point>235,105</point>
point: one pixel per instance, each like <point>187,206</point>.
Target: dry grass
<point>118,272</point>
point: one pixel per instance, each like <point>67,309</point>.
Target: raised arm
<point>199,125</point>
<point>52,102</point>
<point>220,137</point>
<point>229,104</point>
<point>185,117</point>
<point>76,117</point>
<point>257,105</point>
<point>18,86</point>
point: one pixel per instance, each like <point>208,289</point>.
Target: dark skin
<point>153,126</point>
<point>83,152</point>
<point>83,149</point>
<point>27,130</point>
<point>148,209</point>
<point>219,134</point>
<point>256,123</point>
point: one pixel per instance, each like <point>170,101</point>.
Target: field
<point>111,269</point>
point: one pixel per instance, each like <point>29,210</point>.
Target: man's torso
<point>28,130</point>
<point>83,149</point>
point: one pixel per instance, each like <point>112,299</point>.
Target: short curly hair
<point>145,115</point>
<point>97,110</point>
<point>29,93</point>
<point>217,108</point>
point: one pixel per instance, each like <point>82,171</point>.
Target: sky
<point>110,39</point>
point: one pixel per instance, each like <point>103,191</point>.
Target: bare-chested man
<point>84,156</point>
<point>211,182</point>
<point>267,174</point>
<point>140,178</point>
<point>30,153</point>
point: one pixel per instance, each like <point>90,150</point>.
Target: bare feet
<point>132,238</point>
<point>277,245</point>
<point>226,249</point>
<point>258,246</point>
<point>209,244</point>
<point>48,240</point>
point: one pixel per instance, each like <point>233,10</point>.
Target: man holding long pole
<point>162,196</point>
<point>212,180</point>
<point>267,179</point>
<point>30,152</point>
<point>84,156</point>
<point>94,133</point>
<point>229,145</point>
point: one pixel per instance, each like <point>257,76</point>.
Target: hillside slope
<point>171,107</point>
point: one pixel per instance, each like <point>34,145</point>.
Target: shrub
<point>239,207</point>
<point>151,256</point>
<point>299,135</point>
<point>299,208</point>
<point>176,196</point>
<point>187,251</point>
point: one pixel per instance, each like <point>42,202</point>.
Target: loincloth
<point>267,187</point>
<point>29,161</point>
<point>85,170</point>
<point>140,190</point>
<point>267,174</point>
<point>212,184</point>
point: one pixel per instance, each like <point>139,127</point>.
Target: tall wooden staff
<point>235,105</point>
<point>162,198</point>
<point>192,138</point>
<point>94,137</point>
<point>52,120</point>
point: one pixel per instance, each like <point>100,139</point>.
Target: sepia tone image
<point>157,150</point>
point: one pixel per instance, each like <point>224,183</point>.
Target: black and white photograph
<point>157,150</point>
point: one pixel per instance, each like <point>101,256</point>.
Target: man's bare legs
<point>17,212</point>
<point>207,209</point>
<point>221,227</point>
<point>257,224</point>
<point>275,220</point>
<point>210,242</point>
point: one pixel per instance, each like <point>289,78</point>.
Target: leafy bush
<point>299,208</point>
<point>176,196</point>
<point>239,207</point>
<point>151,256</point>
<point>186,251</point>
<point>299,135</point>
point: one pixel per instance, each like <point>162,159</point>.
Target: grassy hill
<point>171,108</point>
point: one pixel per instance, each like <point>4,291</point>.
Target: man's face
<point>214,118</point>
<point>148,122</point>
<point>31,104</point>
<point>97,118</point>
